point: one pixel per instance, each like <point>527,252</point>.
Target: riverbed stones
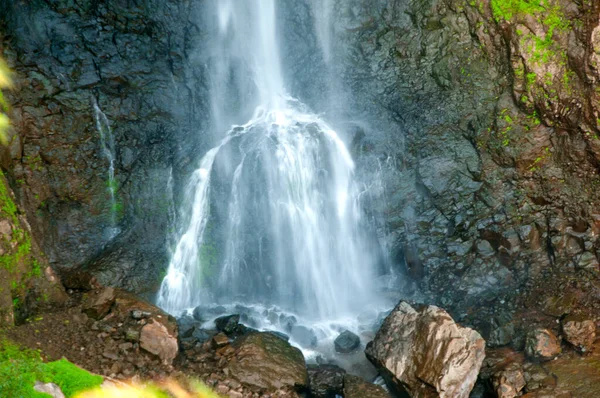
<point>579,332</point>
<point>423,352</point>
<point>326,381</point>
<point>346,342</point>
<point>156,339</point>
<point>542,344</point>
<point>265,361</point>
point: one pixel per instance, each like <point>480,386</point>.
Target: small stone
<point>49,388</point>
<point>542,344</point>
<point>346,342</point>
<point>137,314</point>
<point>509,382</point>
<point>132,335</point>
<point>220,340</point>
<point>579,332</point>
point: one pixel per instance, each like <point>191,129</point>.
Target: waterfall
<point>272,214</point>
<point>107,142</point>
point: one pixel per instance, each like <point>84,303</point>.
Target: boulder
<point>424,353</point>
<point>355,387</point>
<point>326,381</point>
<point>542,344</point>
<point>229,324</point>
<point>579,332</point>
<point>265,361</point>
<point>304,336</point>
<point>509,381</point>
<point>346,342</point>
<point>156,339</point>
<point>97,304</point>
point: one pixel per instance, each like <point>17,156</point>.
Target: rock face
<point>542,344</point>
<point>28,285</point>
<point>268,362</point>
<point>579,332</point>
<point>425,353</point>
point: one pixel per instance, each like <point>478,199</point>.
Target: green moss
<point>20,369</point>
<point>550,15</point>
<point>70,378</point>
<point>7,205</point>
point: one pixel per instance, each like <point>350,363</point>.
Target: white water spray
<point>273,213</point>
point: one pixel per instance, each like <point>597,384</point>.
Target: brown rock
<point>220,340</point>
<point>509,382</point>
<point>265,361</point>
<point>579,332</point>
<point>542,344</point>
<point>97,304</point>
<point>156,339</point>
<point>355,387</point>
<point>426,353</point>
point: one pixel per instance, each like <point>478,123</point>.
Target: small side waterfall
<point>272,215</point>
<point>108,149</point>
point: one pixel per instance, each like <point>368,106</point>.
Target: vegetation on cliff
<point>5,82</point>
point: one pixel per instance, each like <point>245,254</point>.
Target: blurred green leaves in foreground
<point>5,83</point>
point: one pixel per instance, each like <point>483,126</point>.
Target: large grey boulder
<point>426,354</point>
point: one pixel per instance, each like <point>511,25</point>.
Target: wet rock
<point>186,326</point>
<point>97,304</point>
<point>198,313</point>
<point>265,361</point>
<point>49,388</point>
<point>502,335</point>
<point>355,387</point>
<point>229,324</point>
<point>156,339</point>
<point>281,335</point>
<point>509,382</point>
<point>304,336</point>
<point>542,344</point>
<point>346,342</point>
<point>424,352</point>
<point>203,335</point>
<point>579,332</point>
<point>326,381</point>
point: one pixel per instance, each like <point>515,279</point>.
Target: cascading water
<point>272,215</point>
<point>108,149</point>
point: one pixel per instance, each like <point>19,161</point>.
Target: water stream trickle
<point>107,142</point>
<point>272,214</point>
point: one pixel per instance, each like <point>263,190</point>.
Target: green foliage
<point>70,378</point>
<point>21,368</point>
<point>5,82</point>
<point>549,14</point>
<point>7,206</point>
